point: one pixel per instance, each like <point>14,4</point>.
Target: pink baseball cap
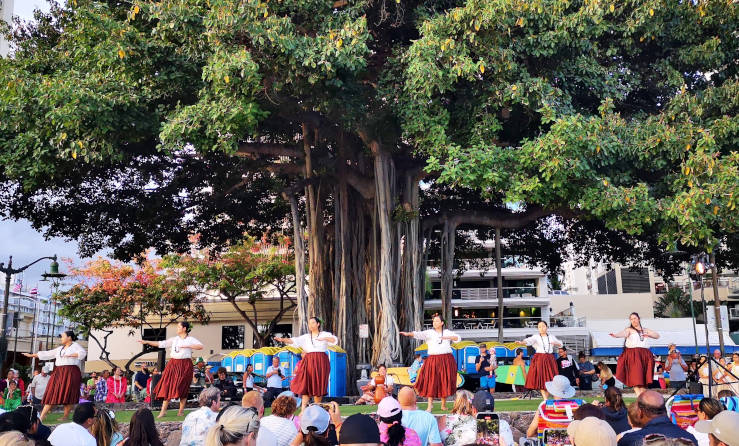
<point>388,407</point>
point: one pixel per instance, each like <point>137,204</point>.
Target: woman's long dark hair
<point>614,398</point>
<point>313,438</point>
<point>143,430</point>
<point>396,431</point>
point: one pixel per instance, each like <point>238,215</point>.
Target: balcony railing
<point>488,323</point>
<point>488,293</point>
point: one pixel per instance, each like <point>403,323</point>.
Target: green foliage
<point>674,303</point>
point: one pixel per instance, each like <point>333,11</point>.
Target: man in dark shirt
<point>586,373</point>
<point>567,366</point>
<point>139,384</point>
<point>485,365</point>
<point>652,414</point>
<point>225,385</point>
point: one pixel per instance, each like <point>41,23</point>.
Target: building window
<point>232,337</point>
<point>154,334</point>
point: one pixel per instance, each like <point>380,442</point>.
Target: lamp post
<point>9,271</point>
<point>56,278</point>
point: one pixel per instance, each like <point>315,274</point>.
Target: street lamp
<point>9,271</point>
<point>56,278</point>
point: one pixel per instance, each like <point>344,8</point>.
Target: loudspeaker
<point>695,388</point>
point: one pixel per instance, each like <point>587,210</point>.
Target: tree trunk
<point>411,291</point>
<point>498,269</point>
<point>299,243</point>
<point>387,341</point>
<point>448,237</point>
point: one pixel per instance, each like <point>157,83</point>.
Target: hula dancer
<point>543,367</point>
<point>635,366</point>
<point>177,375</point>
<point>311,373</point>
<point>438,376</point>
<point>64,384</point>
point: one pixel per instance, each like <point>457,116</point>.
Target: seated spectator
<point>415,367</point>
<point>14,421</point>
<point>196,423</point>
<point>723,429</point>
<point>12,396</point>
<point>316,427</point>
<point>253,399</point>
<point>36,431</point>
<point>458,428</point>
<point>15,438</point>
<point>591,431</point>
<point>279,424</point>
<point>392,432</point>
<point>588,410</point>
<point>632,414</point>
<point>142,431</point>
<point>234,426</point>
<point>485,402</point>
<point>706,410</point>
<point>653,415</point>
<point>559,388</point>
<point>76,433</point>
<point>117,387</point>
<point>420,421</point>
<point>225,384</point>
<point>105,429</point>
<point>359,429</point>
<point>614,410</point>
<point>368,397</point>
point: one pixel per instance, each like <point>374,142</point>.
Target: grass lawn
<point>513,405</point>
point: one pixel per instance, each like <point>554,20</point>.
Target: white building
<point>6,14</point>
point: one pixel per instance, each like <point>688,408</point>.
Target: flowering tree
<point>113,294</point>
<point>248,272</point>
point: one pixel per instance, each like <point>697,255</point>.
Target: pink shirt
<point>411,437</point>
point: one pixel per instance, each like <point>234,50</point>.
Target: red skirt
<point>438,376</point>
<point>175,381</point>
<point>64,386</point>
<point>311,375</point>
<point>635,367</point>
<point>542,369</point>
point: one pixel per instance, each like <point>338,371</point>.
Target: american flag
<point>34,291</point>
<point>18,285</point>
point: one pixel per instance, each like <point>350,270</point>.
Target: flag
<point>18,285</point>
<point>34,291</point>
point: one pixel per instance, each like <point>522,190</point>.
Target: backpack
<point>554,417</point>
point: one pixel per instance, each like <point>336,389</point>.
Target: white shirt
<point>542,344</point>
<point>181,348</point>
<point>249,382</point>
<point>276,430</point>
<point>196,425</point>
<point>275,380</point>
<point>436,346</point>
<point>634,341</point>
<point>60,355</point>
<point>305,343</point>
<point>71,434</point>
<point>702,438</point>
<point>39,384</point>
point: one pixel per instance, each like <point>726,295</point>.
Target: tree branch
<point>497,219</point>
<point>271,149</point>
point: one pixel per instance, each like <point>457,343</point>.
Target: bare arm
<point>620,334</point>
<point>652,334</point>
<point>285,341</point>
<point>534,426</point>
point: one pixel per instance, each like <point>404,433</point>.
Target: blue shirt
<point>660,425</point>
<point>424,424</point>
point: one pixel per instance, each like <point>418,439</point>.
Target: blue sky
<point>18,238</point>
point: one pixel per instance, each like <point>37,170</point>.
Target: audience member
<point>485,365</point>
<point>484,402</point>
<point>559,388</point>
<point>142,431</point>
<point>458,428</point>
<point>105,429</point>
<point>415,367</point>
<point>19,380</point>
<point>392,431</point>
<point>76,433</point>
<point>235,426</point>
<point>225,384</point>
<point>586,372</point>
<point>38,385</point>
<point>275,375</point>
<point>253,399</point>
<point>101,387</point>
<point>139,384</point>
<point>566,366</point>
<point>36,430</point>
<point>12,396</point>
<point>15,438</point>
<point>588,410</point>
<point>196,424</point>
<point>676,367</point>
<point>632,413</point>
<point>420,421</point>
<point>723,429</point>
<point>279,425</point>
<point>653,415</point>
<point>707,409</point>
<point>316,428</point>
<point>518,361</point>
<point>591,431</point>
<point>614,410</point>
<point>358,430</point>
<point>117,387</point>
<point>14,421</point>
<point>368,395</point>
<point>605,375</point>
<point>248,378</point>
<point>90,386</point>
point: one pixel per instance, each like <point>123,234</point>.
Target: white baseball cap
<point>724,426</point>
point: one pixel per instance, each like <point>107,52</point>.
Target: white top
<point>436,346</point>
<point>71,434</point>
<point>195,426</point>
<point>181,348</point>
<point>633,340</point>
<point>314,345</point>
<point>274,430</point>
<point>542,344</point>
<point>60,355</point>
<point>39,384</point>
<point>275,380</point>
<point>249,382</point>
